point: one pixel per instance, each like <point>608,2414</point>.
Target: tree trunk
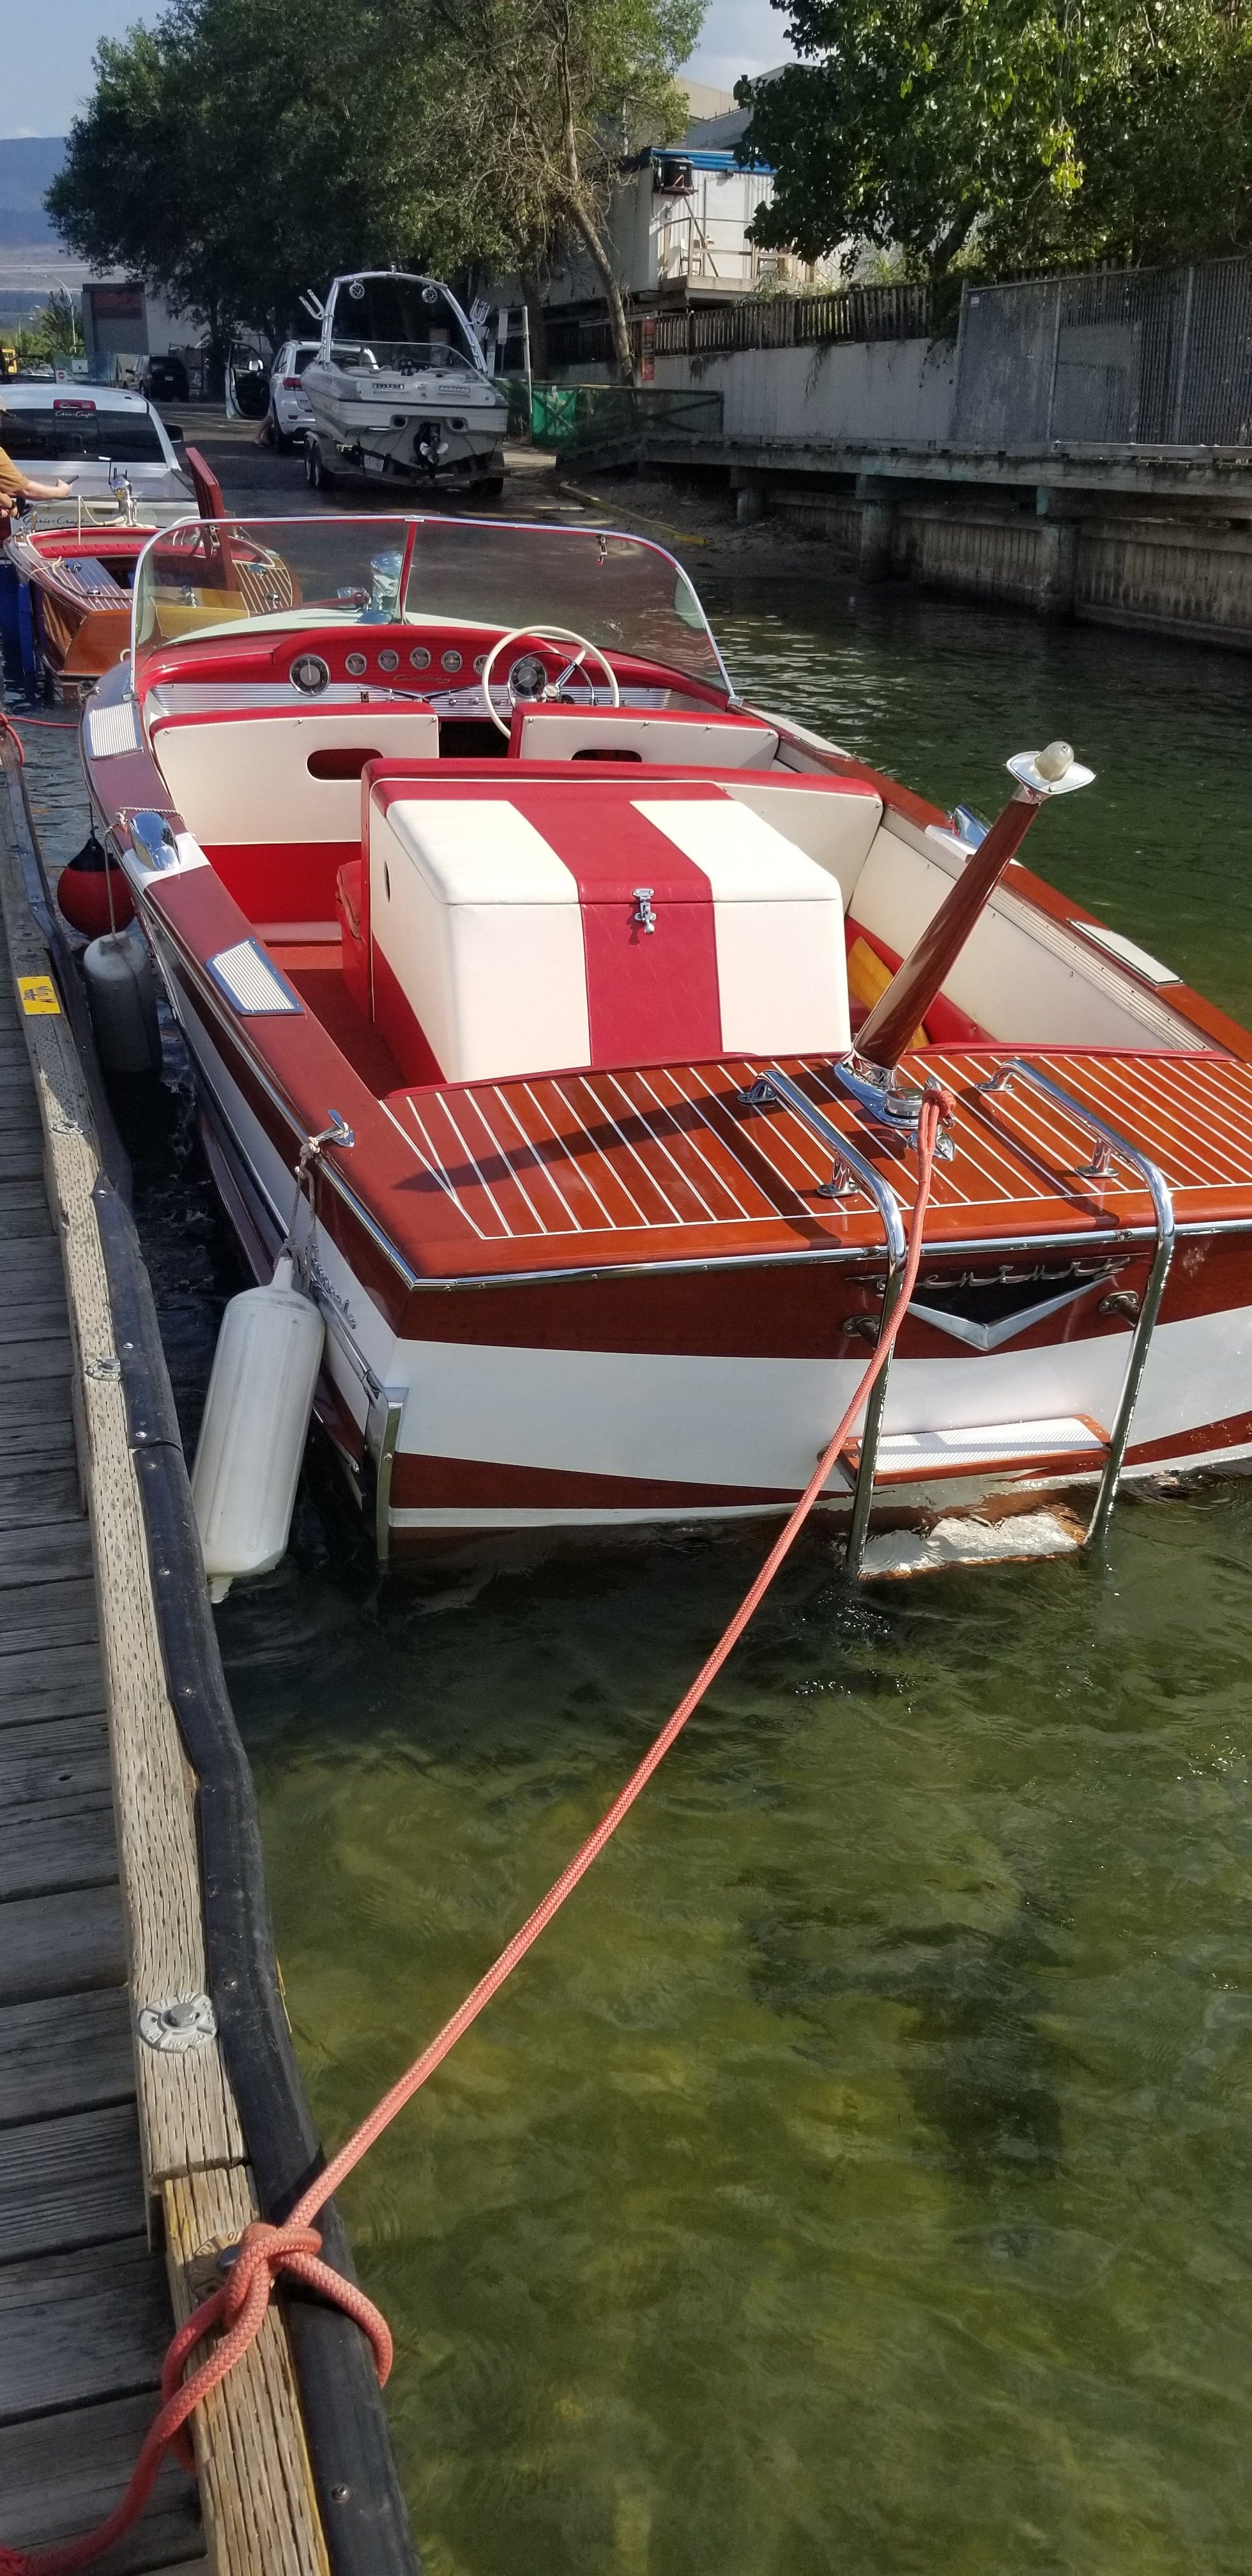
<point>588,231</point>
<point>537,313</point>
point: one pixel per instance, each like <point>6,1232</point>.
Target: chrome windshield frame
<point>412,521</point>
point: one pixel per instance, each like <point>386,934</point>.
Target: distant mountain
<point>28,165</point>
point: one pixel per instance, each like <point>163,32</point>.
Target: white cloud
<point>739,36</point>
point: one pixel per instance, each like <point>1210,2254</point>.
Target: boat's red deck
<point>662,1151</point>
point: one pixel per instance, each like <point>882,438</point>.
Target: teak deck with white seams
<point>667,1148</point>
<point>100,2154</point>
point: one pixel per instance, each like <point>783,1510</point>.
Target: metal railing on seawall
<point>1120,357</point>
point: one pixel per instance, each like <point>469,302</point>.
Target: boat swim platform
<point>132,1899</point>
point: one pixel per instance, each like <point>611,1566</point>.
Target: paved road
<point>259,483</point>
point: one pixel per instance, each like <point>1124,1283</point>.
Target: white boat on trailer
<point>569,1018</point>
<point>399,389</point>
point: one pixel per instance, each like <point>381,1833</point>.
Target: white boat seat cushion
<point>244,777</point>
<point>637,733</point>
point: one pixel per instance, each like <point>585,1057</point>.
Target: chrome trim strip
<point>994,1337</point>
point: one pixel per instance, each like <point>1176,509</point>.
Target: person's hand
<point>59,491</point>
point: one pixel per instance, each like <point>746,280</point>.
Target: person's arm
<point>16,486</point>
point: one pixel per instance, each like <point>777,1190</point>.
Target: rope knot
<point>262,2253</point>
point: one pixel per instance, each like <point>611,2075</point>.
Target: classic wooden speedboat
<point>592,1005</point>
<point>72,565</point>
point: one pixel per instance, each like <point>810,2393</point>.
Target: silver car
<point>96,438</point>
<point>288,404</point>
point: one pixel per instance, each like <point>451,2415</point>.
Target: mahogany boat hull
<point>655,1394</point>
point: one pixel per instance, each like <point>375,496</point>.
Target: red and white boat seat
<point>712,741</point>
<point>243,775</point>
<point>509,927</point>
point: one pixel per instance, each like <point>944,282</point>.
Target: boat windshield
<point>398,325</point>
<point>208,577</point>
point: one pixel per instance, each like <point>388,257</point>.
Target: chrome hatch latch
<point>643,915</point>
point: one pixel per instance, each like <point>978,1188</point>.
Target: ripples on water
<point>855,2178</point>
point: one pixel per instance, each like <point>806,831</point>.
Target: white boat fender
<point>256,1421</point>
<point>121,997</point>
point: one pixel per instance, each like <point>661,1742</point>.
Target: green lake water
<point>855,2179</point>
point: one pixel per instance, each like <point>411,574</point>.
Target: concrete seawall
<point>853,443</point>
<point>1187,576</point>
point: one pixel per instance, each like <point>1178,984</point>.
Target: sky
<point>47,77</point>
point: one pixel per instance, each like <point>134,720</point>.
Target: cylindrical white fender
<point>121,997</point>
<point>255,1424</point>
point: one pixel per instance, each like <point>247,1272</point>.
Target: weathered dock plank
<point>47,1435</point>
<point>23,1210</point>
<point>35,1497</point>
<point>38,1614</point>
<point>70,2181</point>
<point>61,2474</point>
<point>77,2327</point>
<point>25,1362</point>
<point>74,2059</point>
<point>61,1844</point>
<point>56,1757</point>
<point>45,1554</point>
<point>57,1680</point>
<point>61,1945</point>
<point>100,1913</point>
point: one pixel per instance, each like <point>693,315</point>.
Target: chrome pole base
<point>880,1097</point>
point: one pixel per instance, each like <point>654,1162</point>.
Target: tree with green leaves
<point>1008,134</point>
<point>240,150</point>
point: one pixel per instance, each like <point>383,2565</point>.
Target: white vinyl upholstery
<point>686,742</point>
<point>246,779</point>
<point>479,921</point>
<point>781,962</point>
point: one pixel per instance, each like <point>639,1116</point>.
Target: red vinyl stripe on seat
<point>649,993</point>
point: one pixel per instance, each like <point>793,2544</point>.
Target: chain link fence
<point>1130,357</point>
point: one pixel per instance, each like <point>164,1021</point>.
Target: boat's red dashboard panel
<point>422,658</point>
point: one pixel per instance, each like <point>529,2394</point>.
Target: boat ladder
<point>849,1167</point>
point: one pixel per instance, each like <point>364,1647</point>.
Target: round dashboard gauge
<point>451,660</point>
<point>389,661</point>
<point>419,658</point>
<point>528,676</point>
<point>356,665</point>
<point>310,674</point>
<point>480,663</point>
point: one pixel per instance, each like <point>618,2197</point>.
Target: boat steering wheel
<point>551,688</point>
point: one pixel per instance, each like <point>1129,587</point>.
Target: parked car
<point>92,437</point>
<point>165,378</point>
<point>289,406</point>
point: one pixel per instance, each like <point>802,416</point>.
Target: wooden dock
<point>84,2306</point>
<point>123,2165</point>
